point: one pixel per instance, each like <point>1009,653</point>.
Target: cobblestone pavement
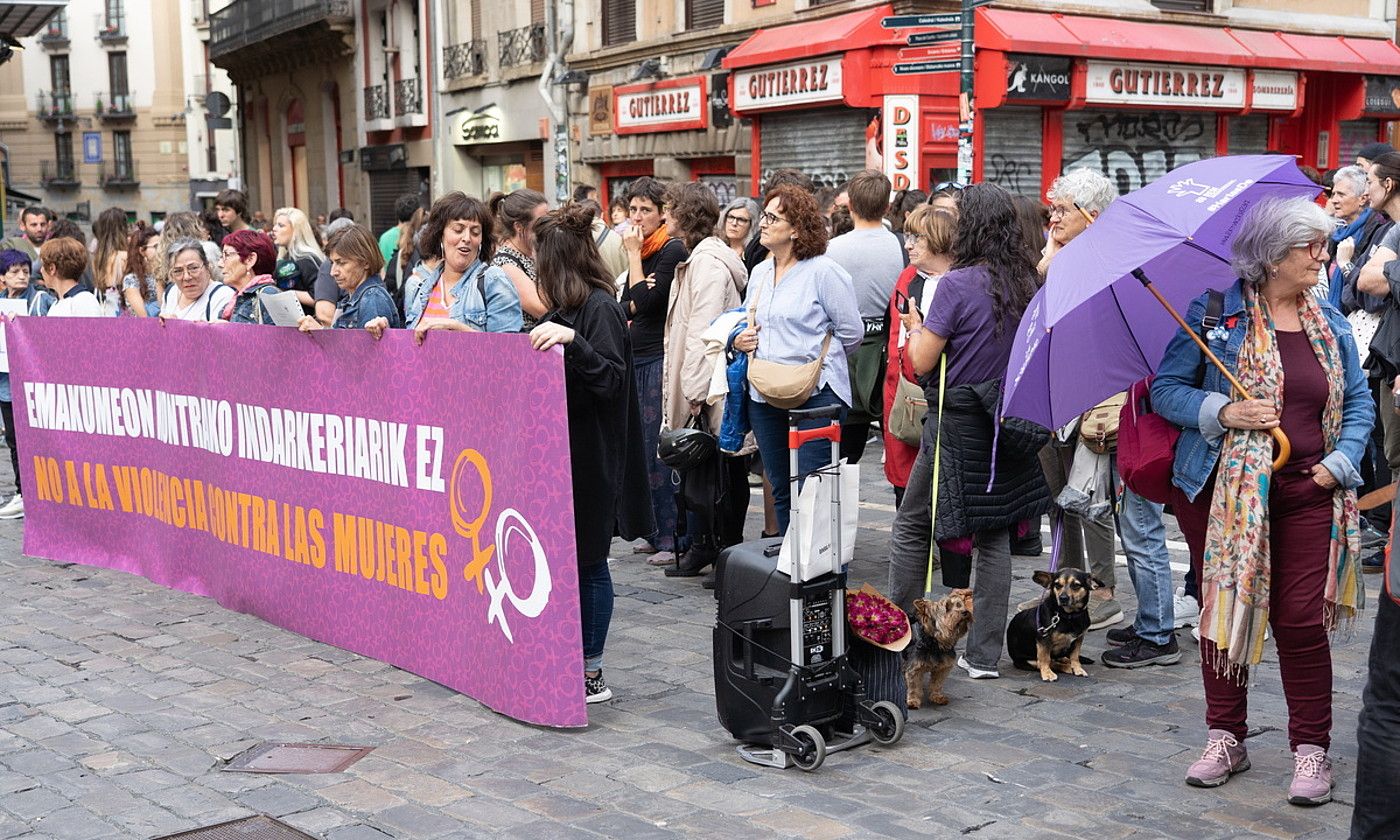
<point>120,700</point>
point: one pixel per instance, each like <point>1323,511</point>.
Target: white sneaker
<point>1185,612</point>
<point>13,509</point>
<point>976,673</point>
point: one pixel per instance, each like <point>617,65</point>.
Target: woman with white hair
<point>738,224</point>
<point>1076,200</point>
<point>1277,549</point>
<point>1351,244</point>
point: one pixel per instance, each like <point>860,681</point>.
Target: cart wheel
<point>813,748</point>
<point>889,727</point>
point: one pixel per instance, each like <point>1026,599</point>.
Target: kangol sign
<point>802,83</point>
<point>1170,85</point>
<point>671,105</point>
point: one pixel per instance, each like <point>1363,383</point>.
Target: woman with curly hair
<point>962,348</point>
<point>802,308</point>
<point>141,294</point>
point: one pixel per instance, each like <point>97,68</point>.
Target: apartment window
<point>121,152</point>
<point>619,22</point>
<point>63,154</point>
<point>537,11</point>
<point>116,72</point>
<point>115,16</point>
<point>476,20</point>
<point>704,14</point>
<point>59,74</point>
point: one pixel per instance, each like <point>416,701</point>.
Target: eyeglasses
<point>1057,212</point>
<point>913,238</point>
<point>767,218</point>
<point>1316,250</point>
<point>180,273</point>
<point>740,220</point>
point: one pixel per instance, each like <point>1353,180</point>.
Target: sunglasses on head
<point>955,186</point>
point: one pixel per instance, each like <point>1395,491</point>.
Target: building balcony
<point>111,30</point>
<point>54,106</point>
<point>378,116</point>
<point>252,38</point>
<point>59,175</point>
<point>523,46</point>
<point>462,60</point>
<point>408,103</point>
<point>55,35</point>
<point>118,175</point>
<point>115,108</point>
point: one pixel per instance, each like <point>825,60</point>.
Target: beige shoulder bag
<point>784,386</point>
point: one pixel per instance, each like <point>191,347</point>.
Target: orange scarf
<point>654,243</point>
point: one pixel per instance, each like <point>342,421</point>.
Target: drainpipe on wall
<point>559,39</point>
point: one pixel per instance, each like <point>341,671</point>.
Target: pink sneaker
<point>1223,757</point>
<point>1312,776</point>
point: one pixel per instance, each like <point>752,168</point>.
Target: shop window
<point>1355,134</point>
<point>619,22</point>
<point>1185,5</point>
<point>704,14</point>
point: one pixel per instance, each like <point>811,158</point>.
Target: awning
<point>1009,30</point>
<point>16,197</point>
<point>24,18</point>
<point>797,41</point>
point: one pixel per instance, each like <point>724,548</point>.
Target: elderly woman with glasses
<point>738,224</point>
<point>192,294</point>
<point>1277,549</point>
<point>1361,231</point>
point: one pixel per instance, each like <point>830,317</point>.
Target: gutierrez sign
<point>671,105</point>
<point>802,83</point>
<point>1169,85</point>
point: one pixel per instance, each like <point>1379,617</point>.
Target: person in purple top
<point>985,484</point>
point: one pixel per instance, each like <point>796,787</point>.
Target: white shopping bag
<point>811,523</point>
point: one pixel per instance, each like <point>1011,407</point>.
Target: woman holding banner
<point>355,265</point>
<point>455,288</point>
<point>610,486</point>
<point>192,294</point>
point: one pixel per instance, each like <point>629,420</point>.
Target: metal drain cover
<point>297,758</point>
<point>261,827</point>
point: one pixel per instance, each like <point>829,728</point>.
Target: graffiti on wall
<point>1134,148</point>
<point>1017,177</point>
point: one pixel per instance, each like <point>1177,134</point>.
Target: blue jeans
<point>1377,813</point>
<point>1149,567</point>
<point>770,428</point>
<point>595,596</point>
<point>660,477</point>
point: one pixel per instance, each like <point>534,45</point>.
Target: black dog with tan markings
<point>1051,633</point>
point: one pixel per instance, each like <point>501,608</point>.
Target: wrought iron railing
<point>377,102</point>
<point>111,24</point>
<point>467,59</point>
<point>54,104</point>
<point>56,33</point>
<point>58,174</point>
<point>521,46</point>
<point>118,173</point>
<point>116,105</point>
<point>245,22</point>
<point>408,97</point>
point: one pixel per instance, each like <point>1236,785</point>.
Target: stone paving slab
<point>119,701</point>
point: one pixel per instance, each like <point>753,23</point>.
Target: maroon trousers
<point>1300,532</point>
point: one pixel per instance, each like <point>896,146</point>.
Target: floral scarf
<point>1235,579</point>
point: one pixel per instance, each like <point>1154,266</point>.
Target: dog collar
<point>1043,631</point>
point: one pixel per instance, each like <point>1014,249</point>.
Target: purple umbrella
<point>1098,325</point>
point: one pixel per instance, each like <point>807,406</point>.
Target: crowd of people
<point>676,312</point>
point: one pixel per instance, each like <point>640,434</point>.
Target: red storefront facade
<point>1131,98</point>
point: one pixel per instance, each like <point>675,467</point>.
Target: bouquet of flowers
<point>875,619</point>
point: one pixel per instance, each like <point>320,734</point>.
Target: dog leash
<point>937,451</point>
<point>1042,632</point>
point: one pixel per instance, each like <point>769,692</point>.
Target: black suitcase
<point>783,682</point>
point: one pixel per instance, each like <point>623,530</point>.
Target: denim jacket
<point>499,312</point>
<point>1176,396</point>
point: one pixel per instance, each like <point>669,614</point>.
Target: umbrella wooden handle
<point>1285,449</point>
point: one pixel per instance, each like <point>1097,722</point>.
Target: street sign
<point>905,21</point>
<point>920,39</point>
<point>952,66</point>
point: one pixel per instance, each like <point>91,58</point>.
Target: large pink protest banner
<point>409,503</point>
